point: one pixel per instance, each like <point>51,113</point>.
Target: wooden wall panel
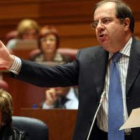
<point>78,42</point>
<point>70,16</point>
<point>15,11</point>
<point>75,30</point>
<point>68,11</point>
<point>76,36</point>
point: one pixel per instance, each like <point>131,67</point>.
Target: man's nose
<point>100,25</point>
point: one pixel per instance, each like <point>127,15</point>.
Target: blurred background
<point>72,19</point>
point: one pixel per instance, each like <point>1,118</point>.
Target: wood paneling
<point>15,11</point>
<point>71,17</point>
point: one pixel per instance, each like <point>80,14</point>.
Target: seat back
<point>11,35</point>
<point>36,129</point>
<point>64,51</point>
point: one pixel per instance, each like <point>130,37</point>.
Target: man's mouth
<point>102,36</point>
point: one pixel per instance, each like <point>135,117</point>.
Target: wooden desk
<point>61,123</point>
<point>24,94</point>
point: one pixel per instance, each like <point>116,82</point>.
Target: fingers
<point>2,45</point>
<point>6,59</point>
<point>51,96</point>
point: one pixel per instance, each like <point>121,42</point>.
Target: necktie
<point>62,102</point>
<point>115,112</point>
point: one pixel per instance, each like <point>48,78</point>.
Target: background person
<point>49,42</point>
<point>7,131</point>
<point>27,29</point>
<point>59,97</point>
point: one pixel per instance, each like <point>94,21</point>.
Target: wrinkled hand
<point>6,59</point>
<point>51,96</point>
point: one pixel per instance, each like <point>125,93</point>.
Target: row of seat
<point>36,128</point>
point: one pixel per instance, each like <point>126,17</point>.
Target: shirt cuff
<point>16,66</point>
<point>45,106</point>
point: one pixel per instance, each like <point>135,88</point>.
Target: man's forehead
<point>106,9</point>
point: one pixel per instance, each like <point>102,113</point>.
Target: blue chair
<point>36,129</point>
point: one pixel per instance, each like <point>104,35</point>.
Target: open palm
<point>6,59</point>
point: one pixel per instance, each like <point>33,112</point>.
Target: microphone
<point>93,121</point>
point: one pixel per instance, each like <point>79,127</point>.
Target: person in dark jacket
<point>92,71</point>
<point>7,131</point>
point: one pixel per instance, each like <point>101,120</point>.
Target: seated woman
<point>48,44</point>
<point>27,29</point>
<point>7,131</point>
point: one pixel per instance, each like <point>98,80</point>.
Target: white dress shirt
<point>72,102</point>
<point>102,117</point>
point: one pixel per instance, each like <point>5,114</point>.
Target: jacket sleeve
<point>46,76</point>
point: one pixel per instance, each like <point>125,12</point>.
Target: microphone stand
<point>93,121</point>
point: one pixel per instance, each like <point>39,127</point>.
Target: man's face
<point>109,30</point>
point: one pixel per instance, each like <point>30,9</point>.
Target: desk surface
<point>61,123</point>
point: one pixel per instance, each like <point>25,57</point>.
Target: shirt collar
<point>125,50</point>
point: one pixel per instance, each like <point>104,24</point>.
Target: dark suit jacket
<point>88,72</point>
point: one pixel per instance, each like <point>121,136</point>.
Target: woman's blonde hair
<point>25,25</point>
<point>6,107</point>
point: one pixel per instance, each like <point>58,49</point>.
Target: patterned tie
<point>115,112</point>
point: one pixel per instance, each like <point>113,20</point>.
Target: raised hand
<point>6,59</point>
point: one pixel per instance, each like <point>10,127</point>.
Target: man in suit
<point>114,26</point>
<point>60,97</point>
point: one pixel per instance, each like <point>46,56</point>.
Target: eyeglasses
<point>103,21</point>
<point>47,39</point>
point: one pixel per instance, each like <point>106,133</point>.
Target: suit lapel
<point>134,64</point>
<point>100,71</point>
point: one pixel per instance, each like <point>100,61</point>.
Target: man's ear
<point>126,24</point>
